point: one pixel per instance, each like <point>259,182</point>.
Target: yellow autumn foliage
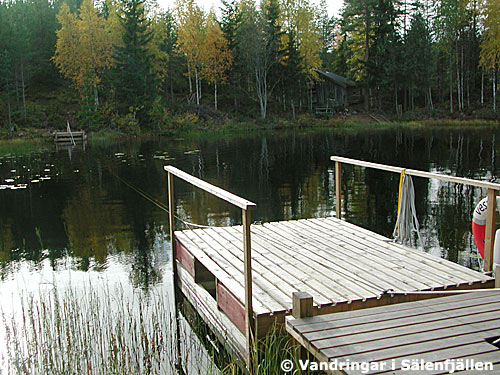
<point>84,46</point>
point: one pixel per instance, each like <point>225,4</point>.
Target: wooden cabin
<point>333,92</point>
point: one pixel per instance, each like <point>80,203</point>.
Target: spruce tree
<point>134,82</point>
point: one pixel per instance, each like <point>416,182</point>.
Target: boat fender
<point>479,228</point>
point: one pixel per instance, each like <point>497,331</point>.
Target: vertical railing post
<point>247,250</point>
<point>171,219</point>
<point>489,237</point>
<point>338,194</point>
<point>171,224</point>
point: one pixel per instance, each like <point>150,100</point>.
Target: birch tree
<point>216,55</point>
<point>490,47</point>
<point>259,46</point>
<point>83,48</point>
<point>190,39</point>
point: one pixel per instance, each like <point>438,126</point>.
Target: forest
<point>131,66</point>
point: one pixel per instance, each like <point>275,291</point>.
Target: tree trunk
<point>367,55</point>
<point>462,89</point>
<point>482,85</point>
<point>96,97</point>
<point>23,90</point>
<point>495,89</point>
<point>10,113</point>
<point>431,105</point>
<point>451,85</point>
<point>458,78</point>
<point>16,81</point>
<point>190,82</point>
<point>396,98</point>
<point>215,95</point>
<point>196,81</point>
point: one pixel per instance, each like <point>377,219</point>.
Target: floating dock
<point>434,336</point>
<point>342,266</point>
<point>241,279</point>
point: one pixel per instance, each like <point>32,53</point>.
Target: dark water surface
<point>84,212</point>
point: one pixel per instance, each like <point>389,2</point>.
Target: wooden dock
<point>459,328</point>
<point>344,267</point>
<point>70,137</point>
<point>240,279</point>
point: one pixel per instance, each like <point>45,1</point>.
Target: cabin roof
<point>339,80</point>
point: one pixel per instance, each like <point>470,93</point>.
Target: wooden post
<point>497,277</point>
<point>171,218</point>
<point>302,305</point>
<point>338,194</point>
<point>247,249</point>
<point>489,237</point>
<point>171,224</point>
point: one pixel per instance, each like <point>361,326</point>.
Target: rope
<point>407,222</point>
<point>156,202</point>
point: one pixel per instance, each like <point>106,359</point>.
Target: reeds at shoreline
<point>107,330</point>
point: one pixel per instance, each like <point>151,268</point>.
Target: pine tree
<point>134,82</point>
<point>230,22</point>
<point>358,25</point>
<point>419,59</point>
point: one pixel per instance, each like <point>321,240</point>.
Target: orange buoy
<point>479,224</point>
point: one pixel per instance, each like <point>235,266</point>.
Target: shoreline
<point>361,121</point>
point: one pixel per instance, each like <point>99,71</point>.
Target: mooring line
<point>156,202</point>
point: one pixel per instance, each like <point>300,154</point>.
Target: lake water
<point>96,213</point>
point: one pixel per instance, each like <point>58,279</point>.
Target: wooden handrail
<point>245,206</point>
<point>417,173</point>
<point>212,189</point>
<point>492,192</point>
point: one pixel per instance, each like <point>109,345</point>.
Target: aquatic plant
<point>97,330</point>
<point>103,329</point>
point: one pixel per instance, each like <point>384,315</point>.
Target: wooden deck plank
<point>327,274</point>
<point>440,264</point>
<point>428,330</point>
<point>262,275</point>
<point>386,243</point>
<point>312,274</point>
<point>415,350</point>
<point>220,273</point>
<point>470,324</point>
<point>351,278</point>
<point>351,335</point>
<point>433,268</point>
<point>368,261</point>
<point>344,318</point>
<point>417,272</point>
<point>234,265</point>
<point>418,311</point>
<point>288,279</point>
<point>476,351</point>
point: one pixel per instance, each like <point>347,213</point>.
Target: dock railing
<point>492,192</point>
<point>245,206</point>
